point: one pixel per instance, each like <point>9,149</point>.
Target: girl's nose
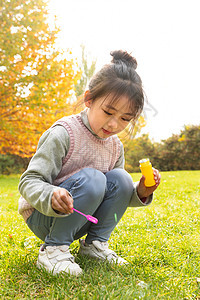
<point>112,123</point>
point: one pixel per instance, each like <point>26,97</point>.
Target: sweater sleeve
<point>136,201</point>
<point>36,183</point>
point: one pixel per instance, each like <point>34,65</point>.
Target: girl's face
<point>107,118</point>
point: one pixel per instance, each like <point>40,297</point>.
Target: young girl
<point>79,163</point>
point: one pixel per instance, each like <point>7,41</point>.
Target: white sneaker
<point>100,251</point>
<point>58,259</point>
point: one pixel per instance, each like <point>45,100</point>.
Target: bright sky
<point>164,38</point>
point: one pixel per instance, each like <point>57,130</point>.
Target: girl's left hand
<point>144,191</point>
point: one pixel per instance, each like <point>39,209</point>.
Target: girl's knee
<point>94,182</point>
<point>122,179</point>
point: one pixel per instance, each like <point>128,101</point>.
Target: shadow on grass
<point>22,279</point>
<point>141,279</point>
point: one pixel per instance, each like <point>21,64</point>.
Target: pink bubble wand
<point>88,217</point>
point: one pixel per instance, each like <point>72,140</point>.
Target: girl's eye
<point>107,113</point>
<point>110,114</point>
<point>126,120</point>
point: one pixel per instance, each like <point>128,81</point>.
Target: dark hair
<point>119,78</point>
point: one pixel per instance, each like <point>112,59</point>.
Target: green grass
<point>161,242</point>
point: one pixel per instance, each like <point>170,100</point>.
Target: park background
<point>45,64</point>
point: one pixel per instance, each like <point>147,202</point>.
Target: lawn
<point>161,243</point>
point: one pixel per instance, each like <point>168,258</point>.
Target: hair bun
<point>122,56</point>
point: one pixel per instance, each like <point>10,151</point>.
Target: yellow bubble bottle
<point>147,171</point>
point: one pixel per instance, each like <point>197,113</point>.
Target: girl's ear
<point>87,99</point>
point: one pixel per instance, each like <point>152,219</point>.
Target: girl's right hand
<point>61,201</point>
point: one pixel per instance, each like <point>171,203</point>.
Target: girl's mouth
<point>106,131</point>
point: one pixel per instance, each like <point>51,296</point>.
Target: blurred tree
<point>36,81</point>
<point>181,151</point>
<point>87,73</point>
<point>136,149</point>
<point>190,144</point>
<point>178,152</point>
